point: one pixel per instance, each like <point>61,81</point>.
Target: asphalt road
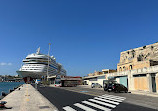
<point>78,97</point>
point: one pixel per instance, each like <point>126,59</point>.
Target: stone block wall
<point>138,57</point>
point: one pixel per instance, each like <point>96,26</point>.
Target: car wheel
<point>105,89</point>
<point>116,91</point>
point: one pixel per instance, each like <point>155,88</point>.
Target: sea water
<point>5,86</point>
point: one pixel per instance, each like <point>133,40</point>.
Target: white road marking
<point>109,98</point>
<point>68,108</point>
<point>97,106</point>
<point>103,103</point>
<point>115,96</point>
<point>84,107</point>
<point>107,101</point>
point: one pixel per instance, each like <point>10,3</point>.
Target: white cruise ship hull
<point>31,74</point>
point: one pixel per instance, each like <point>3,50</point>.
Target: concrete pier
<point>27,99</point>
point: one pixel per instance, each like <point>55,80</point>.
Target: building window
<point>130,67</point>
<point>124,68</point>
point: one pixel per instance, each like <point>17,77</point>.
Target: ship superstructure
<point>35,66</point>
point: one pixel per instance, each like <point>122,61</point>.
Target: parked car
<point>96,85</point>
<point>107,84</point>
<point>116,87</point>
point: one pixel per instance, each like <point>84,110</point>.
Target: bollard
<point>3,94</point>
<point>10,90</point>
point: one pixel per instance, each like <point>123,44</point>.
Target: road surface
<point>80,99</point>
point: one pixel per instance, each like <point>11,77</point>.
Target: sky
<point>85,35</point>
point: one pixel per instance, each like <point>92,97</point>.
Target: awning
<point>51,77</point>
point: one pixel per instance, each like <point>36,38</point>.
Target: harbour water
<point>5,86</point>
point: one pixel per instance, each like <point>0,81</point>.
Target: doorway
<point>153,82</point>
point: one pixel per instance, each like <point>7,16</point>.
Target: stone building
<point>137,58</point>
<point>104,71</point>
<point>139,68</point>
<point>97,76</point>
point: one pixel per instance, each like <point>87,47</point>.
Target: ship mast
<point>48,61</point>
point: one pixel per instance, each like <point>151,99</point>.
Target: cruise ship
<point>35,67</point>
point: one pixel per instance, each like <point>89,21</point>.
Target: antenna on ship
<point>38,50</point>
<point>48,60</point>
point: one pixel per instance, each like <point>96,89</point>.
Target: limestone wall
<point>141,64</point>
<point>142,53</point>
<point>138,55</point>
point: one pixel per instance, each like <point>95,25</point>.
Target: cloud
<point>9,64</point>
<point>5,64</point>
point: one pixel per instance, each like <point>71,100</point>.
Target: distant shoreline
<point>11,81</point>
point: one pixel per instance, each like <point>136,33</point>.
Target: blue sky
<point>85,35</point>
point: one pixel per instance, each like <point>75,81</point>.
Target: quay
<point>27,99</point>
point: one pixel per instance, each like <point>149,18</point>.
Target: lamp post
<point>48,61</point>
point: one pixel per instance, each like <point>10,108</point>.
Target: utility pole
<point>48,61</point>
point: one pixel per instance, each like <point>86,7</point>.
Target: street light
<point>48,61</point>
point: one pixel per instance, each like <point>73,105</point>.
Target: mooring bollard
<point>3,94</point>
<point>10,90</point>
